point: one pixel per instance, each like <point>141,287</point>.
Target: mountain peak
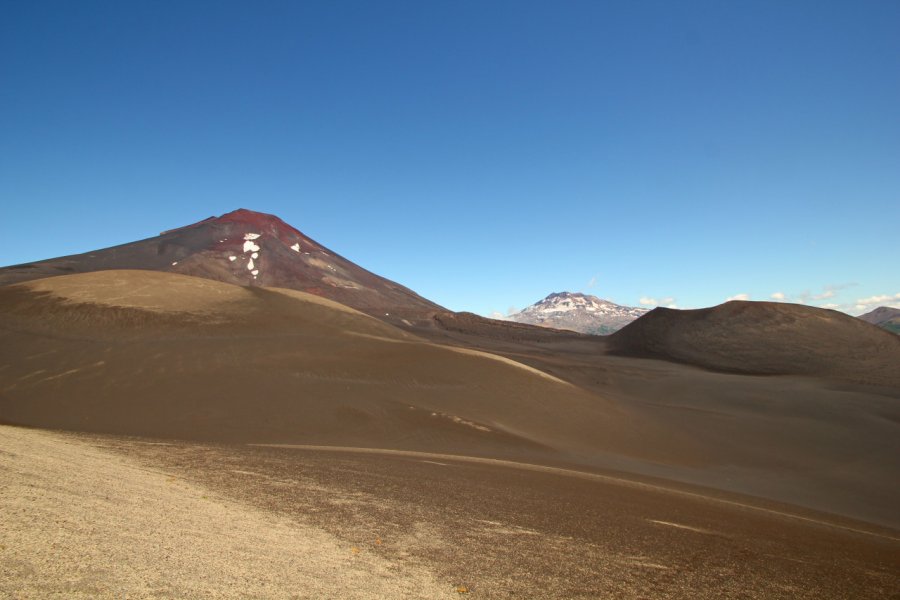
<point>259,220</point>
<point>580,312</point>
<point>568,295</point>
<point>245,247</point>
<point>263,222</point>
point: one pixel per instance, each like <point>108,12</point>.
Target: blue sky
<point>484,154</point>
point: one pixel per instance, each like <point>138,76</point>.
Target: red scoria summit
<point>249,248</point>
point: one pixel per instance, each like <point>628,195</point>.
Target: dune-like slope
<point>766,338</point>
<point>159,354</point>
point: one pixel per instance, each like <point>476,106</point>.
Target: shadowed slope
<point>766,338</point>
<point>145,353</point>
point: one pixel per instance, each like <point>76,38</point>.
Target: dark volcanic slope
<point>766,338</point>
<point>245,248</point>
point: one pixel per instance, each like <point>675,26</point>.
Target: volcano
<point>583,313</point>
<point>247,248</point>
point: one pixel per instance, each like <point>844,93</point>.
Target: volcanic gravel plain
<point>171,436</point>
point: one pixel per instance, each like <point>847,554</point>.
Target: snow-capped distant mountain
<point>578,312</point>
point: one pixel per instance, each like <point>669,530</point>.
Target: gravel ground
<point>90,516</point>
<point>81,522</point>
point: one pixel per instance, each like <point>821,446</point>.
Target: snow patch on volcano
<point>249,244</point>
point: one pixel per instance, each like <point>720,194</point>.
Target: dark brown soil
<point>767,338</point>
<point>169,356</point>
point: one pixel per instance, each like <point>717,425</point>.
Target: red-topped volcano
<point>247,248</point>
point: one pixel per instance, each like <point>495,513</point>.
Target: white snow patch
<point>174,263</point>
<point>560,308</point>
<point>296,247</point>
<point>255,255</point>
<point>232,258</point>
<point>249,245</point>
<point>254,272</point>
<point>250,265</point>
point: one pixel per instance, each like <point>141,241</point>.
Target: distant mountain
<point>246,248</point>
<point>766,338</point>
<point>578,312</point>
<point>885,317</point>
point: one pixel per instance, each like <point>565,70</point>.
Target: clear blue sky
<point>482,153</point>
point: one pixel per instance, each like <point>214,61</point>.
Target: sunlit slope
<point>159,354</point>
